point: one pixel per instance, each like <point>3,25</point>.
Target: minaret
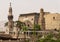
<point>10,19</point>
<point>42,19</point>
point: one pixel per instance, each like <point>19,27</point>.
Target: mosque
<point>46,20</point>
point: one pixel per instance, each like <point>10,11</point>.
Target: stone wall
<point>9,40</point>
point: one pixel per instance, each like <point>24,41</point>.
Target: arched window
<point>53,18</point>
<point>28,25</point>
<point>32,19</point>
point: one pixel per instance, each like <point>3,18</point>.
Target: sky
<point>27,6</point>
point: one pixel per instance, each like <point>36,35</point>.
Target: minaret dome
<point>10,8</point>
<point>10,16</point>
<point>41,10</point>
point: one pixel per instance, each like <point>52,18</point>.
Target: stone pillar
<point>42,19</point>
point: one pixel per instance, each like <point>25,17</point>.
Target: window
<point>28,25</point>
<point>32,19</point>
<point>55,29</point>
<point>53,18</point>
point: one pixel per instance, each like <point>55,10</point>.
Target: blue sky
<point>27,6</point>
